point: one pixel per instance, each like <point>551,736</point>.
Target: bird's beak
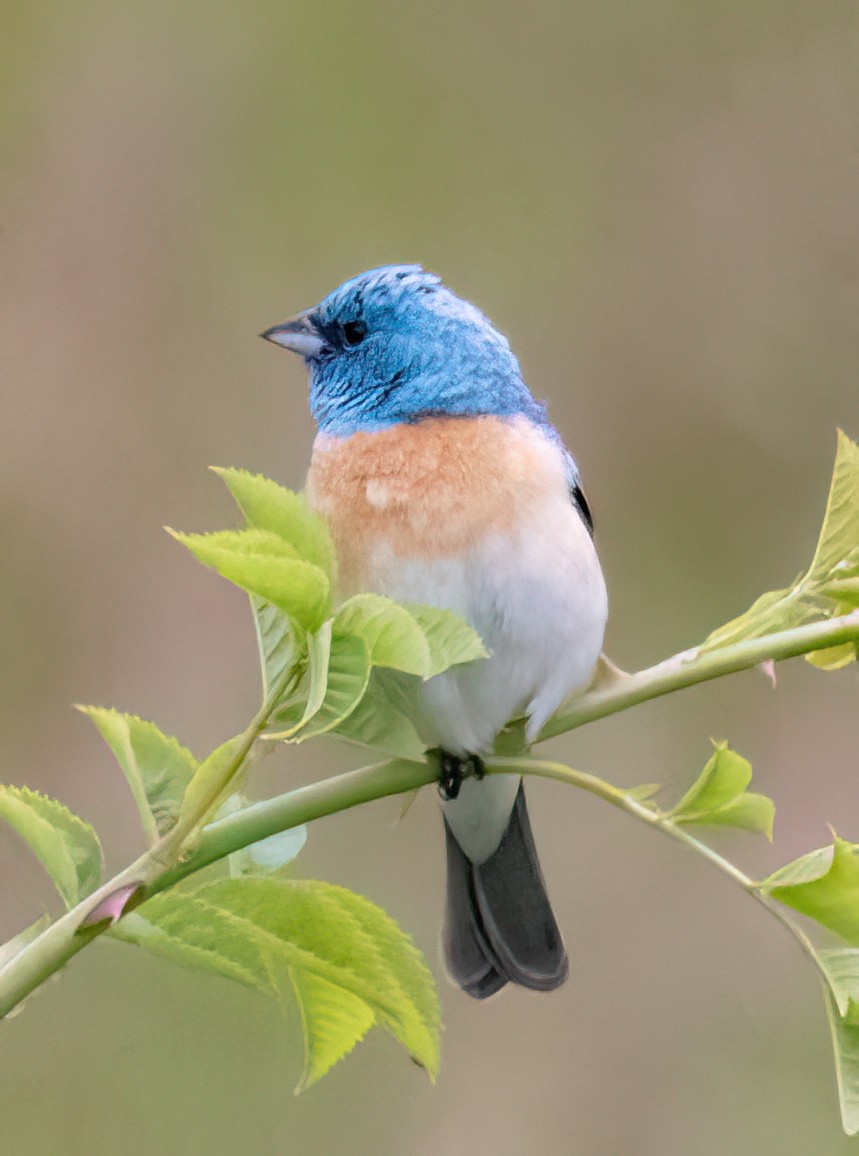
<point>298,334</point>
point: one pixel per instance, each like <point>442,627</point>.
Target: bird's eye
<point>354,332</point>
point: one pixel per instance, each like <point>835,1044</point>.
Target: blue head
<point>394,345</point>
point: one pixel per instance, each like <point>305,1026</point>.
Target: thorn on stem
<point>113,906</point>
<point>768,668</point>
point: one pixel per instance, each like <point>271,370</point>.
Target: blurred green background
<point>657,202</point>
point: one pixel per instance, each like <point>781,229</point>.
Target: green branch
<point>692,666</point>
<point>303,805</point>
<point>165,864</point>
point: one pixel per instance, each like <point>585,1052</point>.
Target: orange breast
<point>429,490</point>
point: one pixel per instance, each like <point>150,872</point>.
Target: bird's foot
<point>454,770</point>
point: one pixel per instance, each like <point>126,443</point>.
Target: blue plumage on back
<point>399,345</point>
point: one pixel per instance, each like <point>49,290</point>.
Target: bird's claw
<point>454,769</point>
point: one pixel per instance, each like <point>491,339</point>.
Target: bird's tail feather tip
<point>499,926</point>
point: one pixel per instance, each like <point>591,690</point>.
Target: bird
<point>444,482</point>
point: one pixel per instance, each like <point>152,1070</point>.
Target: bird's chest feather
<point>412,495</point>
<point>471,514</point>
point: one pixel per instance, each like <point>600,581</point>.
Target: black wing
<point>577,496</point>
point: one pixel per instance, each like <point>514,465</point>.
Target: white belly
<point>537,598</point>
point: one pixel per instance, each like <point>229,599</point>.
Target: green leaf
<point>314,688</point>
<point>842,1002</point>
<point>512,741</point>
<point>267,505</point>
<point>774,611</point>
<point>831,897</point>
<point>157,766</point>
<point>644,792</point>
<point>841,965</point>
<point>266,855</point>
<point>391,634</point>
<point>332,1020</point>
<point>839,535</point>
<point>725,776</point>
<point>273,510</point>
<point>389,943</point>
<point>812,597</point>
<point>811,865</point>
<point>845,1043</point>
<point>17,943</point>
<point>171,932</point>
<point>275,851</point>
<point>213,780</point>
<point>451,640</point>
<point>844,590</point>
<point>379,722</point>
<point>13,948</point>
<point>265,565</point>
<point>67,847</point>
<point>280,642</point>
<point>848,568</point>
<point>347,677</point>
<point>750,812</point>
<point>833,657</point>
<point>718,797</point>
<point>347,962</point>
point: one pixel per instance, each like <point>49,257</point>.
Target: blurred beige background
<point>657,202</point>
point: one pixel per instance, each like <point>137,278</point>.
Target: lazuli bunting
<point>444,482</point>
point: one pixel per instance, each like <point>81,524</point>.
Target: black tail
<point>498,924</point>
